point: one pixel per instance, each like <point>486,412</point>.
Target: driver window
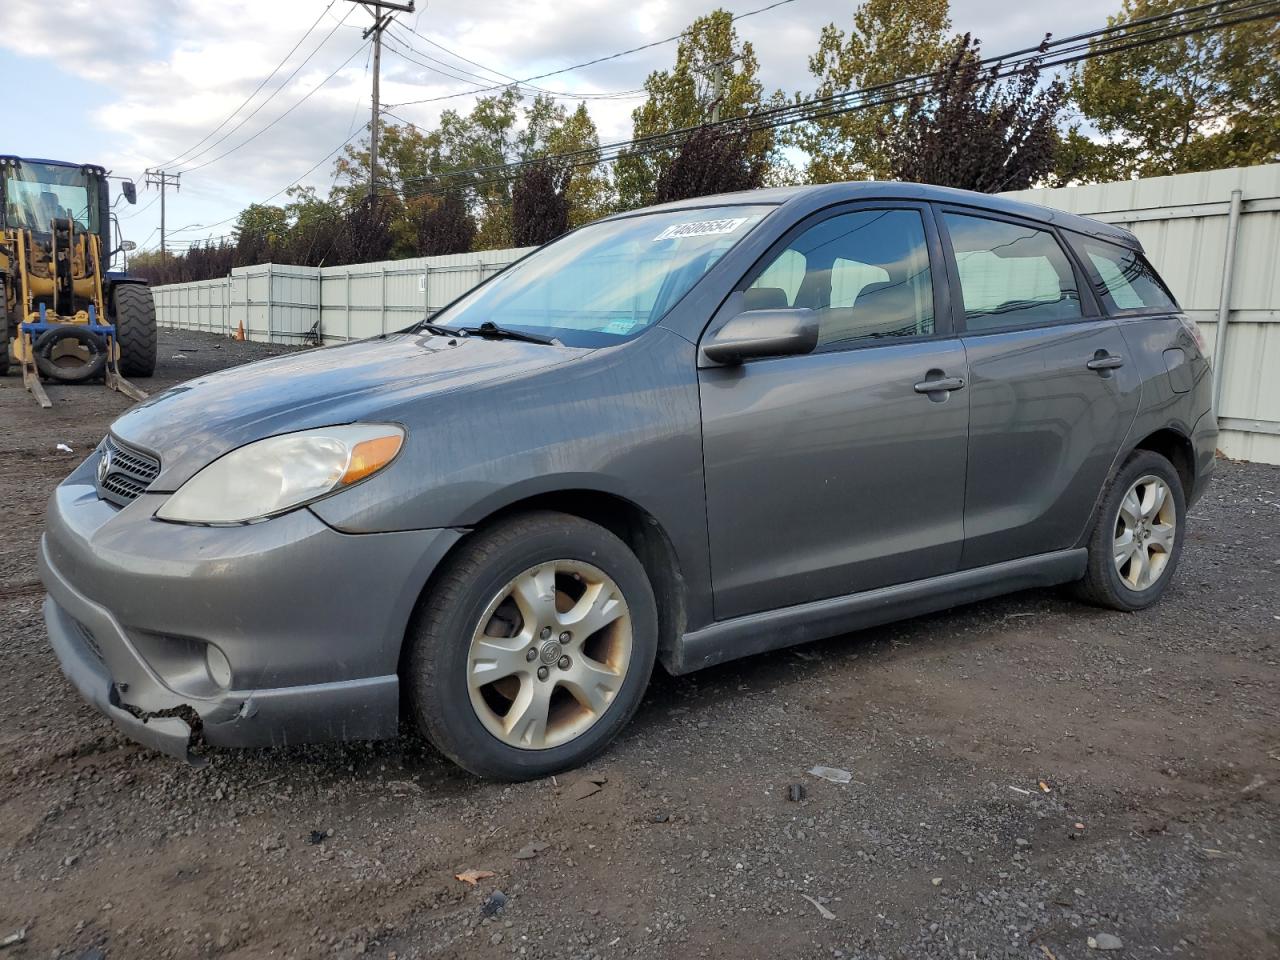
<point>866,274</point>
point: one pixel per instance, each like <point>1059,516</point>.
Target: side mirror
<point>128,246</point>
<point>763,333</point>
<point>130,191</point>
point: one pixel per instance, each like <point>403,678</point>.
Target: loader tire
<point>135,317</point>
<point>58,370</point>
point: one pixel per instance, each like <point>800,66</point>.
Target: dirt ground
<point>1156,737</point>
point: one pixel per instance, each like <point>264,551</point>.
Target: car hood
<point>196,422</point>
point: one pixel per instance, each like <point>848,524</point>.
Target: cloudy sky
<point>139,83</point>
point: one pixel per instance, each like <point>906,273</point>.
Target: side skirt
<point>775,629</point>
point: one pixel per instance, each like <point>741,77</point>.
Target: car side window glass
<point>866,274</point>
<point>1125,281</point>
<point>1011,274</point>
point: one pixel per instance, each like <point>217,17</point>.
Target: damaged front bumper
<point>96,655</point>
<point>309,622</point>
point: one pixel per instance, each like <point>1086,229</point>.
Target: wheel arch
<point>1175,446</point>
<point>1173,442</point>
<point>629,522</point>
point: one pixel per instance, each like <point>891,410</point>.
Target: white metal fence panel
<point>204,306</point>
<point>1185,222</point>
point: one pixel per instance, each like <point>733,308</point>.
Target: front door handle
<point>1105,361</point>
<point>940,385</point>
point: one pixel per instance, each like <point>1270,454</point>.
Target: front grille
<point>124,472</point>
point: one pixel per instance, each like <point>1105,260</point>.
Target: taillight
<point>1190,326</point>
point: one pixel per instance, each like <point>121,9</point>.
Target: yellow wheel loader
<point>64,316</point>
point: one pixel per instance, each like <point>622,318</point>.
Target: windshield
<point>608,281</point>
<point>37,193</point>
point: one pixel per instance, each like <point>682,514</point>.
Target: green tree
<point>1198,102</point>
<point>260,229</point>
<point>685,95</point>
<point>590,191</point>
<point>889,40</point>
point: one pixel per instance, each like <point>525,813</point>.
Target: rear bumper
<point>310,621</point>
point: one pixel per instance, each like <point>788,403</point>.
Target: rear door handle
<point>940,385</point>
<point>1105,362</point>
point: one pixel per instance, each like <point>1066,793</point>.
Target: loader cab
<point>33,193</point>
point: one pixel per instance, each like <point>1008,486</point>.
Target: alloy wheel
<point>549,654</point>
<point>1146,530</point>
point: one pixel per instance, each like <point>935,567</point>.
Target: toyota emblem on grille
<point>104,465</point>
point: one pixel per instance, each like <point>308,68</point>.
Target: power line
<point>258,88</point>
<point>1046,55</point>
<point>472,78</point>
<point>1067,51</point>
<point>307,96</point>
<point>591,63</point>
<point>278,90</point>
<point>286,187</point>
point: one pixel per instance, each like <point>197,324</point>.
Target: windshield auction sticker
<point>701,228</point>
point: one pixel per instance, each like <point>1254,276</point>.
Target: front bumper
<point>310,620</point>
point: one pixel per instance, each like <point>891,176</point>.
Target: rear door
<point>1052,390</point>
<point>834,472</point>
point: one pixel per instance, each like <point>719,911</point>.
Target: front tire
<point>135,319</point>
<point>532,648</point>
<point>1136,541</point>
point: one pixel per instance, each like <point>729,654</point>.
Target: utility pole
<point>717,84</point>
<point>163,179</point>
<point>380,22</point>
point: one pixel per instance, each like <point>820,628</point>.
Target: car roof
<point>816,197</point>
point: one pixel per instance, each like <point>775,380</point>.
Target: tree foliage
<point>711,160</point>
<point>1207,100</point>
<point>975,131</point>
<point>685,96</point>
<point>888,40</point>
<point>540,204</point>
<point>1200,102</point>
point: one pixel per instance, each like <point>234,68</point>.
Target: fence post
<point>1224,302</point>
<point>382,267</point>
<point>271,284</point>
<point>426,290</point>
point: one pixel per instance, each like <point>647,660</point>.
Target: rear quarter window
<point>1123,279</point>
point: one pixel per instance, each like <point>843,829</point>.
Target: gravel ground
<point>1027,774</point>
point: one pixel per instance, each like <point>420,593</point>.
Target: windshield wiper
<point>438,330</point>
<point>492,331</point>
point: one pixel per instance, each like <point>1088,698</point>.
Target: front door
<point>1052,392</point>
<point>842,470</point>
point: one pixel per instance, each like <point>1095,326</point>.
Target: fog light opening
<point>218,665</point>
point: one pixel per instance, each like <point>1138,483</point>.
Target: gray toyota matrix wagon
<point>683,434</point>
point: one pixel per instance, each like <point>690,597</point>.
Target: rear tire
<point>487,654</point>
<point>1136,541</point>
<point>135,320</point>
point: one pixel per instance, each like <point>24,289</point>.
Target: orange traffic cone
<point>240,331</point>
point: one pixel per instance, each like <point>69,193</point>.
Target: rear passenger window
<point>865,273</point>
<point>1124,280</point>
<point>1011,274</point>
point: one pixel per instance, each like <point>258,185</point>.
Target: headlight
<point>271,476</point>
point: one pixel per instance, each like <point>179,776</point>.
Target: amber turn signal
<point>370,456</point>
